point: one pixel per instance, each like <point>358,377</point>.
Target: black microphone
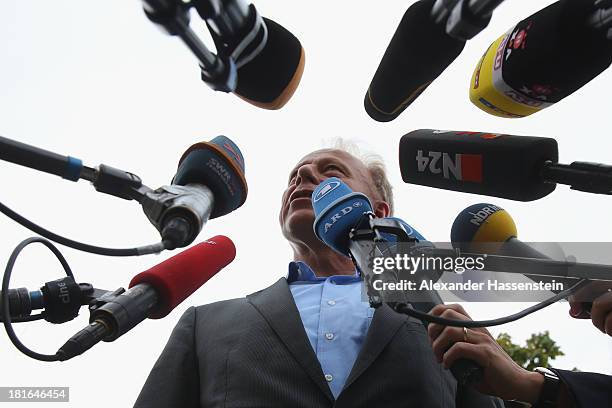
<point>269,59</point>
<point>257,59</point>
<point>522,168</point>
<point>209,183</point>
<point>544,58</point>
<point>430,36</point>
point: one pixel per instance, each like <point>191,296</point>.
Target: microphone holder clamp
<point>369,230</point>
<point>464,19</point>
<point>218,71</point>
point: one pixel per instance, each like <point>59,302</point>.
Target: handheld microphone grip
<point>476,162</point>
<point>418,53</point>
<point>466,371</point>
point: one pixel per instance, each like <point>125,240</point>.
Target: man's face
<point>296,214</point>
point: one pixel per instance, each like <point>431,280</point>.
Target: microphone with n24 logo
<point>478,162</point>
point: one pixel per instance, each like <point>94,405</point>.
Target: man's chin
<point>299,222</point>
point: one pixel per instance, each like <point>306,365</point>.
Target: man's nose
<point>307,174</point>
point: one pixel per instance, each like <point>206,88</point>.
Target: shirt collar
<point>300,272</point>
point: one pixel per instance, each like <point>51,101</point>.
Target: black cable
<point>144,250</point>
<point>26,319</point>
<point>404,308</point>
<point>6,316</point>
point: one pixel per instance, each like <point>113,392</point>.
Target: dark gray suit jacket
<point>254,352</point>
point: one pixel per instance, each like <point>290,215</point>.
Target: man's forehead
<point>332,155</point>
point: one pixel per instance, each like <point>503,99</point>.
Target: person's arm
<point>503,377</point>
<point>174,380</point>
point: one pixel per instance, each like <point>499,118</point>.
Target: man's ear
<point>381,209</point>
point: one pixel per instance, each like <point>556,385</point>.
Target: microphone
<point>257,59</point>
<point>337,210</point>
<point>522,168</point>
<point>271,78</point>
<point>269,59</point>
<point>152,294</point>
<point>209,183</point>
<point>340,222</point>
<point>488,223</point>
<point>480,226</point>
<point>410,64</point>
<point>544,58</point>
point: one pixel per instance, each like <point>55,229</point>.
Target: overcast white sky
<point>98,81</point>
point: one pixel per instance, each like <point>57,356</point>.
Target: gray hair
<point>375,165</point>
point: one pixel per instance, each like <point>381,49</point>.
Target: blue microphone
<point>337,210</point>
<point>412,233</point>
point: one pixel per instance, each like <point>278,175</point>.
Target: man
<point>308,340</point>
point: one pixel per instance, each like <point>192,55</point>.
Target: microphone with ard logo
<point>344,220</point>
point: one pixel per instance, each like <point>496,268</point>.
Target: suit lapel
<point>277,306</point>
<point>384,326</point>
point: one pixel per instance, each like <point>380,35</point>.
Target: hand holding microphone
<point>502,376</point>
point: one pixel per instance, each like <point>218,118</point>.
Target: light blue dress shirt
<point>335,318</point>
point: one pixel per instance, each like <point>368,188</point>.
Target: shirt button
<point>329,336</point>
<point>329,377</point>
<point>331,302</point>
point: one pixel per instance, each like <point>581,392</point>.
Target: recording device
<point>430,36</point>
<point>522,168</point>
<point>209,183</point>
<point>257,59</point>
<point>544,58</point>
<point>152,294</point>
<point>344,221</point>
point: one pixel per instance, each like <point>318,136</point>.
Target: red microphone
<point>178,277</point>
<point>152,294</point>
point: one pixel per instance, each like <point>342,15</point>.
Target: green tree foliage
<point>537,352</point>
